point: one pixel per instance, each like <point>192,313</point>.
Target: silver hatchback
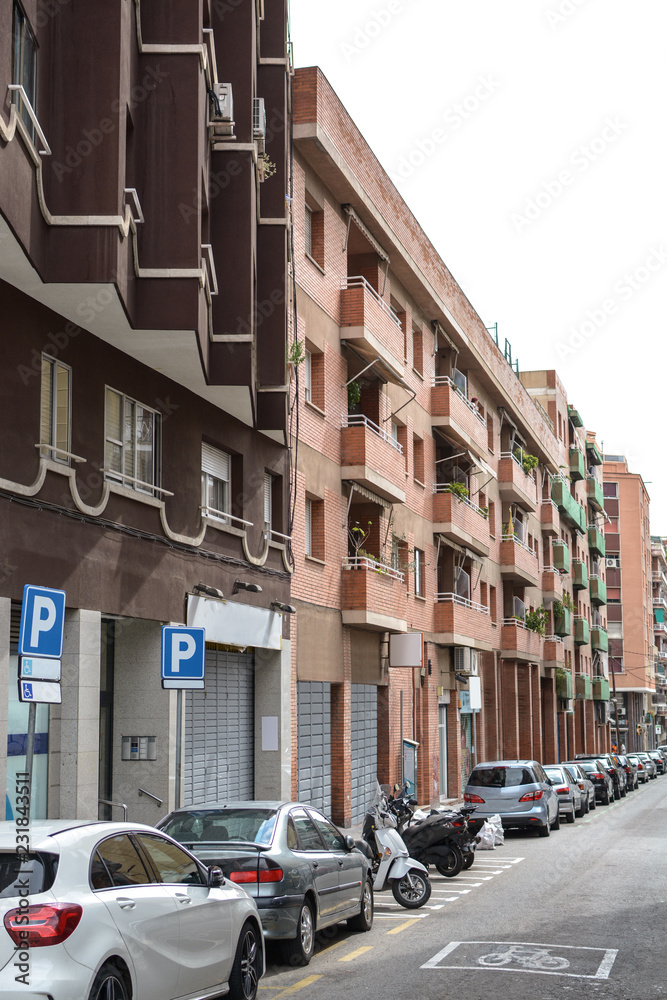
<point>519,791</point>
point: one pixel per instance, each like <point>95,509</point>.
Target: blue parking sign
<point>42,622</point>
<point>183,656</point>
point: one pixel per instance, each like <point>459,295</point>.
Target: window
<point>172,864</point>
<point>309,526</point>
<point>489,434</point>
<point>315,528</point>
<point>462,583</point>
<point>492,518</point>
<point>419,573</point>
<point>118,857</point>
<point>54,431</point>
<point>394,432</point>
<point>215,482</point>
<point>610,489</point>
<point>132,442</point>
<point>314,377</point>
<point>268,500</point>
<point>418,458</point>
<point>309,231</point>
<point>333,839</point>
<point>308,376</point>
<point>314,234</point>
<point>417,350</point>
<point>492,604</point>
<point>309,838</point>
<point>24,65</point>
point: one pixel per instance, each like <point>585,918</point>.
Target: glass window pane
<point>173,865</point>
<point>62,409</point>
<point>309,839</point>
<point>332,837</point>
<point>144,444</point>
<point>123,862</point>
<point>46,408</point>
<point>129,441</point>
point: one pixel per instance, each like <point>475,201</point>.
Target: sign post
<point>183,663</point>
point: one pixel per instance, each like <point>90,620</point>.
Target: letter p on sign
<point>42,622</point>
<point>183,657</point>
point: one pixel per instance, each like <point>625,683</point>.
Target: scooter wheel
<point>453,862</point>
<point>468,860</point>
<point>413,890</point>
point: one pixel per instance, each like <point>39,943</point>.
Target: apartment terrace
<point>550,518</point>
<point>373,595</point>
<point>460,622</point>
<point>452,410</point>
<point>553,654</point>
<point>552,584</point>
<point>372,458</point>
<point>568,507</point>
<point>460,520</point>
<point>518,642</point>
<point>515,485</point>
<point>370,324</point>
<point>518,562</point>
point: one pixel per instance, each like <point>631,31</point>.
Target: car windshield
<point>34,872</point>
<point>501,777</point>
<point>213,825</point>
<point>556,774</point>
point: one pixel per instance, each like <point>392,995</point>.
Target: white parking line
<point>394,916</point>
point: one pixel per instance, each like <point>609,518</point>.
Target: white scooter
<point>384,846</point>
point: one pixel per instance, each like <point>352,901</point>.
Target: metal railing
<point>445,380</point>
<point>114,476</point>
<point>553,638</point>
<point>119,805</point>
<point>156,798</point>
<point>358,281</point>
<point>510,454</point>
<point>441,488</point>
<point>375,566</point>
<point>515,538</point>
<point>450,598</point>
<point>61,451</point>
<point>361,420</point>
<point>221,515</point>
<point>521,624</point>
<point>33,117</point>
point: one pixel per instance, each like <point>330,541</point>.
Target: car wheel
<point>453,862</point>
<point>109,985</point>
<point>364,919</point>
<point>624,792</point>
<point>581,811</point>
<point>605,799</point>
<point>570,815</point>
<point>299,950</point>
<point>411,891</point>
<point>593,804</point>
<point>617,794</point>
<point>556,823</point>
<point>544,831</point>
<point>244,978</point>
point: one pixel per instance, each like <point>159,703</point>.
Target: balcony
<point>550,518</point>
<point>594,493</point>
<point>370,457</point>
<point>575,417</point>
<point>561,556</point>
<point>515,485</point>
<point>599,639</point>
<point>598,590</point>
<point>577,465</point>
<point>459,622</point>
<point>579,575</point>
<point>582,685</point>
<point>553,654</point>
<point>581,632</point>
<point>600,689</point>
<point>520,643</point>
<point>552,584</point>
<point>374,596</point>
<point>569,508</point>
<point>596,542</point>
<point>518,562</point>
<point>371,326</point>
<point>593,453</point>
<point>563,623</point>
<point>461,520</point>
<point>454,412</point>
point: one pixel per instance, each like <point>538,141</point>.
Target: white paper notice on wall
<point>475,688</point>
<point>406,649</point>
<point>269,732</point>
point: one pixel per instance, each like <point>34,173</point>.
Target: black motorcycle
<point>443,839</point>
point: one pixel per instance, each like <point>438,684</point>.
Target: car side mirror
<point>349,843</point>
<point>215,878</point>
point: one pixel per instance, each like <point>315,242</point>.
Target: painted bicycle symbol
<point>530,958</point>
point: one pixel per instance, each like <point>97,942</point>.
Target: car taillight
<point>457,822</point>
<point>272,875</point>
<point>563,790</point>
<point>40,925</point>
<point>467,797</point>
<point>640,766</point>
<point>532,796</point>
<point>627,770</point>
<point>597,774</point>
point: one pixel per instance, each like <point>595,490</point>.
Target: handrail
<point>361,420</point>
<point>515,538</point>
<point>358,281</point>
<point>156,798</point>
<point>278,534</point>
<point>132,479</point>
<point>61,451</point>
<point>553,638</point>
<point>120,805</point>
<point>441,488</point>
<point>365,562</point>
<point>449,598</point>
<point>446,380</point>
<point>207,511</point>
<point>522,624</point>
<point>33,118</point>
<point>213,279</point>
<point>510,454</point>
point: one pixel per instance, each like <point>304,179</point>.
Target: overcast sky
<point>529,137</point>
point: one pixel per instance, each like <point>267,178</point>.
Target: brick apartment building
<point>437,491</point>
<point>143,260</point>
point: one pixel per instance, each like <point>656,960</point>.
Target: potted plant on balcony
<point>353,395</point>
<point>296,353</point>
<point>460,491</point>
<point>529,463</point>
<point>537,620</point>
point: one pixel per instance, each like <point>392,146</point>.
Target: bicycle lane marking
<point>526,957</point>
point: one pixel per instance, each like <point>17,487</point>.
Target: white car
<point>119,911</point>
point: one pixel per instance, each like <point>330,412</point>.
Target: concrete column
<point>5,622</point>
<point>525,705</point>
<point>341,739</point>
<point>510,709</point>
<point>537,712</point>
<point>549,741</point>
<point>78,738</point>
<point>273,703</point>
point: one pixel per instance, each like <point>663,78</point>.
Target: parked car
<point>570,799</point>
<point>586,786</point>
<point>102,908</point>
<point>642,770</point>
<point>659,761</point>
<point>648,763</point>
<point>618,775</point>
<point>601,778</point>
<point>518,790</point>
<point>630,768</point>
<point>303,874</point>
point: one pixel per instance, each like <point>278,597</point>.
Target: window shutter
<point>309,377</point>
<point>268,482</point>
<point>215,462</point>
<point>309,527</point>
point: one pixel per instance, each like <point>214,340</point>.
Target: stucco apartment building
<point>144,467</point>
<point>438,491</point>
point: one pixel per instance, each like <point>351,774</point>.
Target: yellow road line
<point>402,927</point>
<point>308,981</point>
<point>330,947</point>
<point>355,954</point>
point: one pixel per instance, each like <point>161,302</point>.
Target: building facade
<point>144,470</point>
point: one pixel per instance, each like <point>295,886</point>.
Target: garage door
<point>219,732</point>
<point>314,744</point>
<point>363,758</point>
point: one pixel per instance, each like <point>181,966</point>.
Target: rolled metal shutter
<point>313,780</point>
<point>363,757</point>
<point>219,732</point>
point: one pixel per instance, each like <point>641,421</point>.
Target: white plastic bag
<point>486,837</point>
<point>497,824</point>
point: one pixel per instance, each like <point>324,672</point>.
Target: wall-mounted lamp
<point>252,588</point>
<point>287,609</point>
<point>201,588</point>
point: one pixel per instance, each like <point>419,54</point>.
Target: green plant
<point>485,511</point>
<point>267,167</point>
<point>537,620</point>
<point>567,601</point>
<point>558,609</point>
<point>460,491</point>
<point>353,394</point>
<point>296,353</point>
<point>529,462</point>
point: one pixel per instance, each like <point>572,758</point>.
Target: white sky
<point>505,98</point>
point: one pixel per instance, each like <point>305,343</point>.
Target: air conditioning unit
<point>621,712</point>
<point>259,122</point>
<point>566,705</point>
<point>465,661</point>
<point>612,562</point>
<point>221,110</point>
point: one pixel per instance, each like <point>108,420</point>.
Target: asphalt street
<point>579,915</point>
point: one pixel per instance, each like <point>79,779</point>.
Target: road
<point>577,916</point>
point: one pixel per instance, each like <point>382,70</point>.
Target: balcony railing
<point>550,517</point>
<point>570,508</point>
<point>365,562</point>
<point>594,493</point>
<point>358,281</point>
<point>462,621</point>
<point>443,488</point>
<point>445,598</point>
<point>517,640</point>
<point>445,380</point>
<point>361,420</point>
